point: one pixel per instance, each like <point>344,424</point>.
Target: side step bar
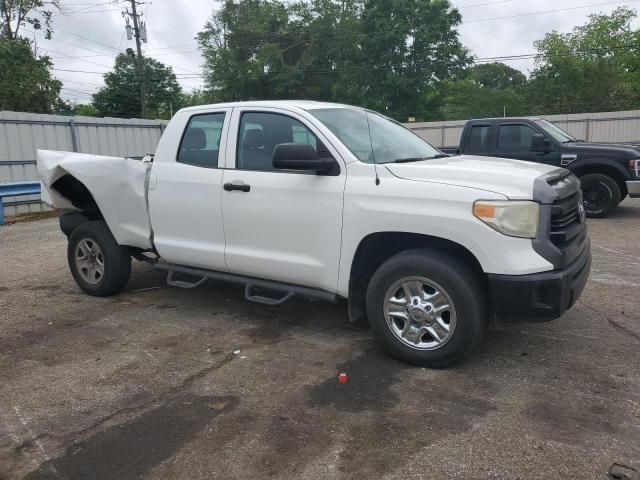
<point>251,284</point>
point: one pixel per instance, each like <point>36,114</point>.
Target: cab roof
<point>504,119</point>
<point>302,104</point>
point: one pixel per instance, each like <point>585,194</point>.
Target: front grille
<point>568,232</point>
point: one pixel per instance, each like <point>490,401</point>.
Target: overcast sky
<point>172,25</point>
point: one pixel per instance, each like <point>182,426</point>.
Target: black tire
<point>116,259</point>
<point>462,286</point>
<point>601,194</point>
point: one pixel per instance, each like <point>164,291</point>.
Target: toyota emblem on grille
<point>581,212</point>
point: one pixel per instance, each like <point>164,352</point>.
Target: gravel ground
<point>146,384</point>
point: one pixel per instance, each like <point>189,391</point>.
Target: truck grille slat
<point>567,230</point>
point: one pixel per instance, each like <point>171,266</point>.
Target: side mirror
<point>301,156</point>
<point>540,144</point>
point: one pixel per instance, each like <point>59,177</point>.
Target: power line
<point>374,34</point>
<point>60,41</point>
<point>76,58</point>
<point>483,4</point>
<point>504,58</point>
<point>77,71</point>
<point>337,37</point>
<point>97,42</point>
<point>84,12</point>
<point>566,9</point>
<point>422,64</point>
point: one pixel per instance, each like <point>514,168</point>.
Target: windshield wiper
<point>418,159</point>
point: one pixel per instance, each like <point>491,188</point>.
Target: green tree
<point>497,76</point>
<point>84,110</point>
<point>488,90</point>
<point>26,84</point>
<point>593,68</point>
<point>409,48</point>
<point>248,48</point>
<point>196,97</point>
<point>15,13</point>
<point>390,55</point>
<point>120,97</point>
<point>465,99</point>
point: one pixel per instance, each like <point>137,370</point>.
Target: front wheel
<point>98,264</point>
<point>600,193</point>
<point>427,308</point>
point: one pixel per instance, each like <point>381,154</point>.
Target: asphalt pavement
<point>163,383</point>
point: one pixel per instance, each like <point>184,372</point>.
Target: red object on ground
<point>342,378</point>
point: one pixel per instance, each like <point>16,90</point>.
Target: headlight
<point>515,218</point>
<point>634,166</point>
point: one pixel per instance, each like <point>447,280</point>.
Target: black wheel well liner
<point>604,169</point>
<point>376,248</point>
<point>79,195</point>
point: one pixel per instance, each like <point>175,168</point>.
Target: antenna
<point>375,167</point>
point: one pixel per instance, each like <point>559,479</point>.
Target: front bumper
<point>633,187</point>
<point>540,297</point>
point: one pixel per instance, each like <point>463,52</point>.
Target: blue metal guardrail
<point>16,189</point>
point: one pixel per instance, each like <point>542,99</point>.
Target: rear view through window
<point>201,142</point>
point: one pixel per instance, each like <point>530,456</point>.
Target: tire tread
<point>117,259</point>
<point>461,280</point>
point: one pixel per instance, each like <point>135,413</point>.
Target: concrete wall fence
<point>21,134</point>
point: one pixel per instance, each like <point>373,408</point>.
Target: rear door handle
<point>237,185</point>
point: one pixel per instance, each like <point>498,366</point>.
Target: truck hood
<point>599,151</point>
<point>511,178</point>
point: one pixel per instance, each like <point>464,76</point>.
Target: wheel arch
<point>610,169</point>
<point>81,198</point>
<point>376,248</point>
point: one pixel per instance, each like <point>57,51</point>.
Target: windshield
<point>374,138</point>
<point>556,132</point>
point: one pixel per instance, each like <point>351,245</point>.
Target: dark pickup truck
<point>608,172</point>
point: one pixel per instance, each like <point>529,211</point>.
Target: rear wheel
<point>427,308</point>
<point>601,194</point>
<point>98,264</point>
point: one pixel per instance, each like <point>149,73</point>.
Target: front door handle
<point>236,185</point>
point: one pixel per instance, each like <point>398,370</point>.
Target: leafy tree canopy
<point>26,84</point>
<point>120,97</point>
<point>593,68</point>
<point>497,76</point>
<point>390,55</point>
<point>15,13</point>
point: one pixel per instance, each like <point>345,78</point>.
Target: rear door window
<point>200,144</point>
<point>478,141</point>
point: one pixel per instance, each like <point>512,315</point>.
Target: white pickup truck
<point>330,202</point>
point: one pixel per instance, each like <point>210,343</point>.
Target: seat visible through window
<point>261,132</point>
<point>201,142</point>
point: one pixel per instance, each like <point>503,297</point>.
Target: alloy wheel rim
<point>89,261</point>
<point>419,313</point>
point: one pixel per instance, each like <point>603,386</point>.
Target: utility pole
<point>140,32</point>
